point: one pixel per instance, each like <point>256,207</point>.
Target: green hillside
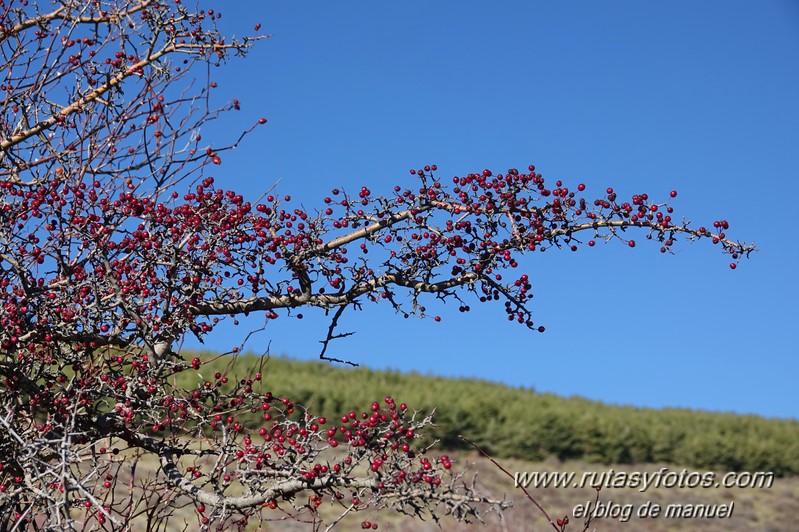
<point>520,423</point>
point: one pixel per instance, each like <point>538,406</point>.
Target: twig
<point>330,336</point>
<point>484,453</point>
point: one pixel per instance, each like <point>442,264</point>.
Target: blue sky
<point>645,97</point>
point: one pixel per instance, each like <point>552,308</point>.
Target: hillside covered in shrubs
<point>521,423</point>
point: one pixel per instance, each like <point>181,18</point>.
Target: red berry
<point>673,193</point>
<point>262,120</point>
<point>733,265</point>
<point>581,187</point>
<point>631,243</point>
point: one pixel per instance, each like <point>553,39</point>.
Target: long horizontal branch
<point>295,300</point>
<point>210,308</point>
<point>289,488</point>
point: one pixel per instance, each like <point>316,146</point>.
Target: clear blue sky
<point>702,97</point>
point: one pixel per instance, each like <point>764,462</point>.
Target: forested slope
<point>521,423</point>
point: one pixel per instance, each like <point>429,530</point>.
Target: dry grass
<point>762,509</point>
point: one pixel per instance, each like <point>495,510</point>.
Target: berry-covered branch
<point>116,243</point>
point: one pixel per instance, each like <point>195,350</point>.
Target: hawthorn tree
<point>116,244</point>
